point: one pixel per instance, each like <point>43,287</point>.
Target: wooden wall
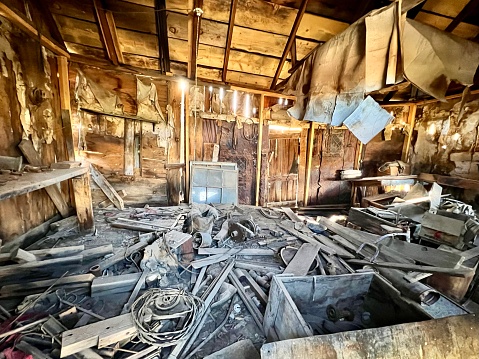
<point>101,140</point>
<point>26,66</point>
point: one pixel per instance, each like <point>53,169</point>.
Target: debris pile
<point>193,280</point>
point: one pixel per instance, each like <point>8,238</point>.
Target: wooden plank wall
<point>281,183</point>
<point>100,139</point>
<point>25,62</point>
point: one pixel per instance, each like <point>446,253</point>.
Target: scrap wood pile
<point>195,280</point>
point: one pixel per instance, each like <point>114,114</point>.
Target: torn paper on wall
<point>368,120</point>
<point>91,95</point>
<point>434,58</point>
<point>147,100</point>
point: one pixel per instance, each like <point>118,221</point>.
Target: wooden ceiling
<point>240,41</point>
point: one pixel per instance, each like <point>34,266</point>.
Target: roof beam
<point>291,39</point>
<point>162,33</point>
<point>468,9</point>
<point>229,37</point>
<point>8,11</point>
<point>194,25</point>
<point>108,33</point>
<point>50,22</point>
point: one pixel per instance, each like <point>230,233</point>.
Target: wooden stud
<point>26,146</point>
<point>64,87</point>
<point>186,141</point>
<point>108,33</point>
<point>411,121</point>
<point>129,148</point>
<point>229,37</point>
<point>83,203</point>
<point>7,10</point>
<point>470,8</point>
<point>162,34</point>
<point>259,150</point>
<point>291,39</point>
<point>309,161</point>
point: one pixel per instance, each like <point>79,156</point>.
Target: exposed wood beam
<point>50,22</point>
<point>108,32</point>
<point>8,11</point>
<point>162,33</point>
<point>229,37</point>
<point>389,96</point>
<point>194,25</point>
<point>309,161</point>
<point>415,10</point>
<point>259,149</point>
<point>291,39</point>
<point>468,9</point>
<point>293,54</point>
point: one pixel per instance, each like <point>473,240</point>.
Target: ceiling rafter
<point>8,10</point>
<point>229,37</point>
<point>50,22</point>
<point>470,7</point>
<point>108,33</point>
<point>194,25</point>
<point>162,34</point>
<point>291,39</point>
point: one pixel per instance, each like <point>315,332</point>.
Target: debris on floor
<point>220,281</point>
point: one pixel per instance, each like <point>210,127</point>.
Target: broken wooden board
<point>423,254</point>
<point>308,239</point>
<point>140,226</point>
<point>292,216</point>
<point>106,187</point>
<point>49,253</point>
<point>32,156</point>
<point>244,349</point>
<point>101,334</point>
<point>301,262</point>
<point>107,203</point>
<point>455,272</point>
<point>428,339</point>
<point>64,165</point>
<point>340,251</point>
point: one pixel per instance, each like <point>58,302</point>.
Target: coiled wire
<point>156,307</point>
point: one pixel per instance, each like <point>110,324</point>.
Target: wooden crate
<point>294,300</point>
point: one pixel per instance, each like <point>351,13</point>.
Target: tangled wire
<point>165,316</point>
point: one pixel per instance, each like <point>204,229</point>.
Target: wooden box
<point>443,230</point>
<point>297,306</point>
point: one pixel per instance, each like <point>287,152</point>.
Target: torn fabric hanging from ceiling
<point>94,97</point>
<point>378,50</point>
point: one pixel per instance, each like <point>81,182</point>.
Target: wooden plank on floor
<point>303,259</point>
<point>107,188</point>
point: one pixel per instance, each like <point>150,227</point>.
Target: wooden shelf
<point>382,178</point>
<point>30,182</point>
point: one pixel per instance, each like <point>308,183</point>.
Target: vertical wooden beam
<point>194,25</point>
<point>186,141</point>
<point>162,35</point>
<point>411,121</point>
<point>231,25</point>
<point>83,203</point>
<point>470,8</point>
<point>108,33</point>
<point>294,56</point>
<point>64,87</point>
<point>289,44</point>
<point>309,161</point>
<point>129,147</point>
<point>259,150</point>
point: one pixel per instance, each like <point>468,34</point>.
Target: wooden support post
<point>309,160</point>
<point>83,203</point>
<point>64,86</point>
<point>129,147</point>
<point>411,121</point>
<point>162,35</point>
<point>186,141</point>
<point>259,149</point>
